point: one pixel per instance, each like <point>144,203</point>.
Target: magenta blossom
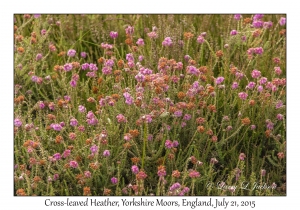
<point>167,42</point>
<point>113,34</point>
<point>73,164</point>
<point>243,95</point>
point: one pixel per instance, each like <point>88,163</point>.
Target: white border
<point>8,8</point>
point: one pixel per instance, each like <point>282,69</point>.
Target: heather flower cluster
<point>149,104</point>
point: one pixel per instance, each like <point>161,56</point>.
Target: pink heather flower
<point>193,70</point>
<point>38,57</point>
<point>92,121</point>
<point>106,153</point>
<point>67,97</point>
<point>81,109</point>
<point>187,117</point>
<point>161,172</point>
<point>68,67</point>
<point>51,106</point>
<point>106,46</point>
<point>234,85</point>
<point>282,21</point>
<point>194,174</point>
<point>147,118</point>
<point>91,74</point>
<point>83,54</point>
<point>270,125</point>
<point>135,169</point>
<point>121,118</point>
<point>259,50</point>
<point>184,191</point>
<point>72,136</point>
<point>73,164</point>
<point>255,73</point>
<point>93,67</point>
<point>141,58</point>
<point>107,70</point>
<point>242,156</point>
<point>129,30</point>
<point>37,15</point>
<point>127,137</point>
<point>183,124</point>
<point>56,156</point>
<point>175,143</point>
<point>219,80</point>
<point>56,127</point>
<point>178,113</point>
<point>239,75</point>
<point>175,186</point>
<point>109,63</point>
<point>203,34</point>
<point>169,144</point>
<point>113,34</point>
<point>152,35</point>
<point>73,122</point>
<point>229,128</point>
<point>258,24</point>
<point>253,127</point>
<point>260,88</point>
<point>81,128</point>
<point>55,177</point>
<point>233,32</point>
<point>87,174</point>
<point>62,124</point>
<point>140,77</point>
<point>263,80</point>
<point>258,17</point>
<point>71,53</point>
<point>167,42</point>
<point>268,24</point>
<point>114,180</point>
<point>85,66</point>
<point>279,117</point>
<point>129,57</point>
<point>250,85</point>
<point>263,172</point>
<point>277,70</point>
<point>140,42</point>
<point>17,122</point>
<point>200,39</point>
<point>90,114</point>
<point>43,32</point>
<point>243,95</point>
<point>73,83</point>
<point>128,98</point>
<point>66,153</point>
<point>94,149</point>
<point>237,17</point>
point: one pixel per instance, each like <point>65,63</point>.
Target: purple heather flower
<point>237,16</point>
<point>141,58</point>
<point>38,57</point>
<point>43,32</point>
<point>140,77</point>
<point>140,42</point>
<point>258,16</point>
<point>81,109</point>
<point>259,50</point>
<point>279,117</point>
<point>234,85</point>
<point>203,34</point>
<point>219,80</point>
<point>68,67</point>
<point>200,39</point>
<point>56,127</point>
<point>277,70</point>
<point>250,85</point>
<point>178,113</point>
<point>263,80</point>
<point>73,83</point>
<point>282,21</point>
<point>270,125</point>
<point>55,177</point>
<point>114,180</point>
<point>106,153</point>
<point>93,67</point>
<point>73,122</point>
<point>107,70</point>
<point>56,156</point>
<point>94,149</point>
<point>193,70</point>
<point>184,191</point>
<point>92,121</point>
<point>194,174</point>
<point>129,57</point>
<point>83,54</point>
<point>175,186</point>
<point>233,33</point>
<point>62,124</point>
<point>66,153</point>
<point>37,15</point>
<point>73,164</point>
<point>67,97</point>
<point>91,74</point>
<point>260,88</point>
<point>113,34</point>
<point>71,53</point>
<point>17,122</point>
<point>129,30</point>
<point>255,73</point>
<point>258,24</point>
<point>109,63</point>
<point>253,127</point>
<point>85,66</point>
<point>268,24</point>
<point>135,169</point>
<point>279,104</point>
<point>183,124</point>
<point>187,117</point>
<point>167,42</point>
<point>152,35</point>
<point>87,174</point>
<point>175,143</point>
<point>169,144</point>
<point>121,118</point>
<point>243,95</point>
